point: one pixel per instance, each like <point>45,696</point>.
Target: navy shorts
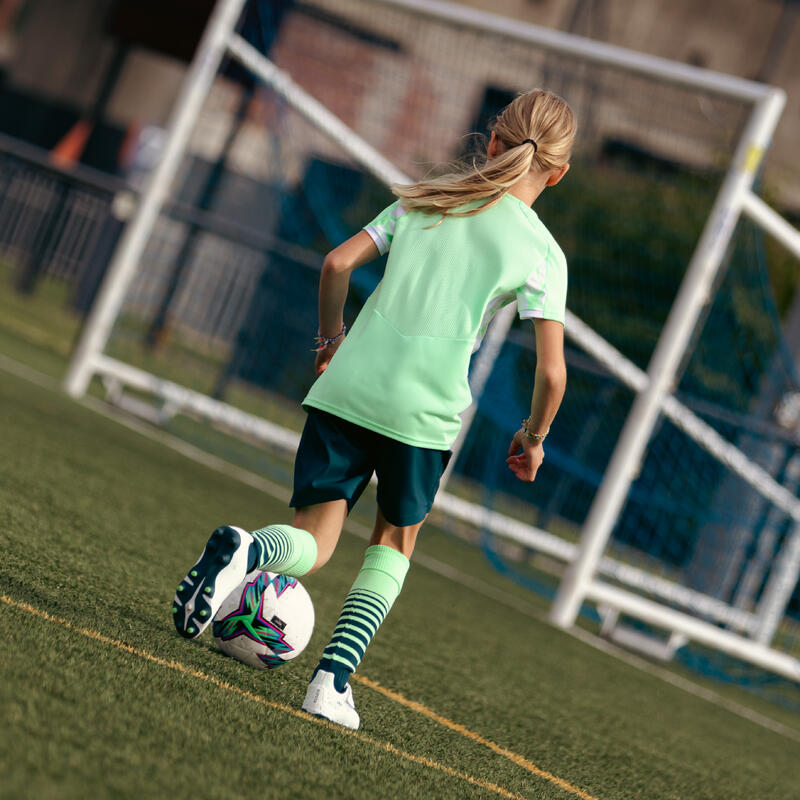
<point>336,459</point>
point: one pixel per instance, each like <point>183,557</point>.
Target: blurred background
<point>224,299</point>
<point>116,65</point>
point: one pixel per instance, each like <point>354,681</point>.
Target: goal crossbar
<point>589,50</point>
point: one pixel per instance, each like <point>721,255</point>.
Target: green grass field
<point>102,698</point>
<point>465,692</point>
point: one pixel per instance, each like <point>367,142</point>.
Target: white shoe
<point>322,700</point>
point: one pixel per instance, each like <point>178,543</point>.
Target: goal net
<point>214,319</point>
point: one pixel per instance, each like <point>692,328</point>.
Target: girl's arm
<point>333,285</point>
<point>548,390</point>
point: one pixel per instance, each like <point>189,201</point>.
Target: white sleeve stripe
<point>527,313</point>
<point>538,313</point>
<point>379,237</point>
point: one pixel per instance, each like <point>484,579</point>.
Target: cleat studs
<point>207,590</point>
<point>204,613</point>
<point>180,588</point>
<point>193,573</point>
<point>190,629</point>
<point>174,609</point>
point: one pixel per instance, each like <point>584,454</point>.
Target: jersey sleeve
<point>544,293</point>
<point>382,228</point>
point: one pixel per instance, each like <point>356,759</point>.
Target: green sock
<point>375,589</point>
<point>282,548</point>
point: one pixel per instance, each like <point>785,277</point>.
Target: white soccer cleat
<point>322,700</point>
<point>220,569</point>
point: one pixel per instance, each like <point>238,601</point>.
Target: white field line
<point>434,565</point>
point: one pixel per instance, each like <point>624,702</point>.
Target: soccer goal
<point>670,490</point>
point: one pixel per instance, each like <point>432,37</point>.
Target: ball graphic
<point>266,621</point>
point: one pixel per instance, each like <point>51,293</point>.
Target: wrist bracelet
<point>321,342</point>
<point>534,437</point>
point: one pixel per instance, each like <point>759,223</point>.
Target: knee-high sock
<point>282,548</point>
<point>375,589</point>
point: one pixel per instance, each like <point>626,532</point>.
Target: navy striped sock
<point>282,548</point>
<point>370,599</point>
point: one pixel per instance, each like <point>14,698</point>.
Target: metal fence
<point>54,223</point>
<point>63,224</point>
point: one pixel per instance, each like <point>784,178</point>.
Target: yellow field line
<point>475,737</point>
<point>194,673</point>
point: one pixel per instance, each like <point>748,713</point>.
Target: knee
<point>400,539</point>
<point>318,564</point>
<point>323,556</point>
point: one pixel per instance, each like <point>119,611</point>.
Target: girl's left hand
<point>524,464</point>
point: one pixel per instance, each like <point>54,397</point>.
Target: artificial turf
<point>98,523</point>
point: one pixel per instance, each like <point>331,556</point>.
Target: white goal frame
<point>749,634</point>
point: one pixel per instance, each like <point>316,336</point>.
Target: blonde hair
<point>537,115</point>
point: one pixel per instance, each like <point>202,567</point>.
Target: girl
<point>460,247</point>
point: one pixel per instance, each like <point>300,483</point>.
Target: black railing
<point>63,224</point>
<point>52,220</point>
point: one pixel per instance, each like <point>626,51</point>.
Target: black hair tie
<point>530,141</point>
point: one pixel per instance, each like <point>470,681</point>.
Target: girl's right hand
<point>324,357</point>
<point>525,456</point>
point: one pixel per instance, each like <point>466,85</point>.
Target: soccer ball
<point>266,621</point>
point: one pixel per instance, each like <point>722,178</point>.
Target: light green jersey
<point>402,369</point>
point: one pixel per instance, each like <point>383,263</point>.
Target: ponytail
<point>537,130</point>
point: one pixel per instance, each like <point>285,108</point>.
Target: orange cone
<point>69,150</point>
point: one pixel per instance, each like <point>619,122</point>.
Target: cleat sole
<point>219,570</point>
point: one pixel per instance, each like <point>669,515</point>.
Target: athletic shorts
<point>336,459</point>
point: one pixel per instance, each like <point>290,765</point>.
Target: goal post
<point>391,71</point>
<point>662,371</point>
<point>201,74</point>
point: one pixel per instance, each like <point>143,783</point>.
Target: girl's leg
<point>302,547</point>
<point>398,538</point>
<point>231,553</point>
<point>334,459</point>
<point>375,589</point>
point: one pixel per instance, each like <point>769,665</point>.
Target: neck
<point>529,188</point>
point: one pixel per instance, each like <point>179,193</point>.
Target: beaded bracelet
<point>534,437</point>
<point>321,342</point>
